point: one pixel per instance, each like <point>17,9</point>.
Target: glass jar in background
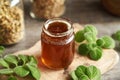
<point>11,21</point>
<point>46,9</point>
<point>113,6</point>
<point>57,44</point>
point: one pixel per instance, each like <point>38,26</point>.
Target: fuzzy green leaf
<point>108,42</point>
<point>116,35</point>
<point>3,63</point>
<point>90,37</point>
<point>91,28</point>
<point>12,78</point>
<point>83,49</point>
<point>73,75</point>
<point>1,50</point>
<point>11,59</point>
<point>32,59</point>
<point>6,71</point>
<point>79,36</point>
<point>100,42</point>
<point>21,71</point>
<point>34,71</point>
<point>96,53</point>
<point>93,73</point>
<point>84,77</point>
<point>80,71</point>
<point>24,58</point>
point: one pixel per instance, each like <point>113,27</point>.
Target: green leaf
<point>116,35</point>
<point>108,42</point>
<point>21,71</point>
<point>91,28</point>
<point>3,63</point>
<point>34,71</point>
<point>24,58</point>
<point>6,71</point>
<point>90,37</point>
<point>83,49</point>
<point>84,77</point>
<point>100,42</point>
<point>93,73</point>
<point>1,50</point>
<point>11,59</point>
<point>96,53</point>
<point>32,59</point>
<point>12,78</point>
<point>91,46</point>
<point>79,36</point>
<point>80,71</point>
<point>73,75</point>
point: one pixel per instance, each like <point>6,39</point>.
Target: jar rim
<point>67,22</point>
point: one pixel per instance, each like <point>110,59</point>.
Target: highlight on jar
<point>57,44</point>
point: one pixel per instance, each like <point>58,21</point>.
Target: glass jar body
<point>11,21</point>
<point>57,50</point>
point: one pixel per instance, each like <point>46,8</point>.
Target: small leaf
<point>90,37</point>
<point>6,71</point>
<point>93,73</point>
<point>80,71</point>
<point>91,28</point>
<point>100,42</point>
<point>84,77</point>
<point>24,58</point>
<point>109,43</point>
<point>83,49</point>
<point>73,75</point>
<point>11,59</point>
<point>116,35</point>
<point>12,78</point>
<point>96,53</point>
<point>34,71</point>
<point>91,46</point>
<point>33,61</point>
<point>79,36</point>
<point>1,50</point>
<point>21,71</point>
<point>3,63</point>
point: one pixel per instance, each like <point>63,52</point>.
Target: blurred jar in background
<point>47,9</point>
<point>113,6</point>
<point>11,21</point>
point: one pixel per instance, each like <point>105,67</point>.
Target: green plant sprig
<point>86,73</point>
<point>21,65</point>
<point>92,47</point>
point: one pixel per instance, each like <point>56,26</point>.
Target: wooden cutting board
<point>109,59</point>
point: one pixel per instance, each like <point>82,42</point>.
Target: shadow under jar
<point>57,40</point>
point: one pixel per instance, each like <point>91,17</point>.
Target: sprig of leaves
<point>92,47</point>
<point>86,73</point>
<point>21,65</point>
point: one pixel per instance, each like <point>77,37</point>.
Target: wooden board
<point>109,59</point>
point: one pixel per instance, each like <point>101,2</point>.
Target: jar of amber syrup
<point>57,40</point>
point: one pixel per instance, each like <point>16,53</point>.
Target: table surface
<point>80,11</point>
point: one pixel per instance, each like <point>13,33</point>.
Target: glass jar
<point>113,6</point>
<point>46,9</point>
<point>11,21</point>
<point>57,40</point>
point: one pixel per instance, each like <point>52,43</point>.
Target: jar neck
<point>60,21</point>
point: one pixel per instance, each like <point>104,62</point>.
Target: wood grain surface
<point>109,59</point>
